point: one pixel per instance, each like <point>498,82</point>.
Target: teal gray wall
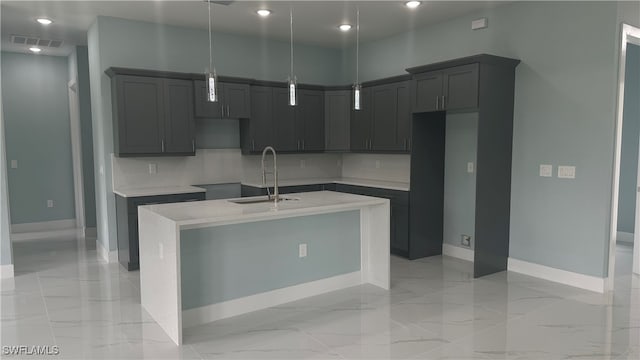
<point>630,137</point>
<point>86,130</point>
<point>228,262</point>
<point>461,145</point>
<point>125,43</point>
<point>6,257</point>
<point>564,115</point>
<point>36,111</point>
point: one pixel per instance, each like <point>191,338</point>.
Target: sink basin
<point>260,200</point>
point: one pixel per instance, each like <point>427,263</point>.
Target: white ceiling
<point>315,22</point>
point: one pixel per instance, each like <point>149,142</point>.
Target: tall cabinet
<point>483,84</point>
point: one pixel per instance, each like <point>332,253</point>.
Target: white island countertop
<point>390,185</point>
<point>218,212</point>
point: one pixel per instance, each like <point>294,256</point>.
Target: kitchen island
<point>209,260</point>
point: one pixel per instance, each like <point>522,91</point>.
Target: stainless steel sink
<point>260,200</point>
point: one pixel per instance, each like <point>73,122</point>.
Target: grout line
<point>46,309</point>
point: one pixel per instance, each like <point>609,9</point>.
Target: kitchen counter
<point>346,236</point>
<point>153,191</point>
<point>391,185</point>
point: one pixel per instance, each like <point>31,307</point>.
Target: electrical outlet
<point>546,170</point>
<point>153,169</point>
<point>566,172</point>
<point>465,240</point>
<point>378,164</point>
<point>302,250</point>
<point>303,164</point>
<point>479,24</point>
<point>161,250</point>
<point>49,203</point>
<point>470,167</point>
<point>14,164</point>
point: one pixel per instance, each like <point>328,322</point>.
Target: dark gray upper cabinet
<point>384,123</point>
<point>153,116</point>
<point>257,132</point>
<point>361,123</point>
<point>179,124</point>
<point>337,116</point>
<point>234,101</point>
<point>285,135</point>
<point>455,88</point>
<point>309,120</point>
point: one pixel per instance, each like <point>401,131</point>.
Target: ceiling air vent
<point>34,41</point>
<point>225,3</point>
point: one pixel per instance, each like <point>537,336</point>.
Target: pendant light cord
<point>357,46</point>
<point>291,33</point>
<point>210,40</point>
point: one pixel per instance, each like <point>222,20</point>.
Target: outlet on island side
<point>302,250</point>
<point>49,203</point>
<point>465,240</point>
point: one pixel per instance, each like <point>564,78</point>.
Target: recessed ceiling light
<point>345,27</point>
<point>35,49</point>
<point>264,12</point>
<point>412,4</point>
<point>44,21</point>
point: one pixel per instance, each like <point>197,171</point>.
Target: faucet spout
<point>276,197</point>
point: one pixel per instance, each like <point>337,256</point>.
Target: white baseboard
<point>223,310</point>
<point>624,237</point>
<point>565,277</point>
<point>458,252</point>
<point>6,271</point>
<point>53,234</point>
<point>44,226</point>
<point>106,255</point>
<point>91,232</point>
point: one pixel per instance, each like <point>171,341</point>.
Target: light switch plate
<point>302,250</point>
<point>14,164</point>
<point>566,172</point>
<point>479,24</point>
<point>161,250</point>
<point>470,167</point>
<point>546,170</point>
<point>49,203</point>
<point>153,169</point>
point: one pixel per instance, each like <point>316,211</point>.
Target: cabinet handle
<point>405,144</point>
<point>253,145</point>
<point>437,102</point>
<point>228,111</point>
<point>162,144</point>
<point>193,145</point>
<point>302,144</point>
<point>409,144</point>
<point>221,110</point>
<point>444,106</point>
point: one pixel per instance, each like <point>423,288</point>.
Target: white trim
<point>76,152</point>
<point>565,277</point>
<point>53,234</point>
<point>44,226</point>
<point>6,271</point>
<point>104,254</point>
<point>627,34</point>
<point>624,237</point>
<point>458,252</point>
<point>226,309</point>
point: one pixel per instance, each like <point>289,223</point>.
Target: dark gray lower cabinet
<point>399,222</point>
<point>127,221</point>
<point>256,191</point>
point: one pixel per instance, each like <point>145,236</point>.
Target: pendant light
<point>357,87</point>
<point>212,77</point>
<point>292,83</point>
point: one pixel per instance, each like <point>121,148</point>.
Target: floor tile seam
<point>46,309</point>
<point>327,347</point>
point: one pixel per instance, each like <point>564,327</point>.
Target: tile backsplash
<point>383,167</point>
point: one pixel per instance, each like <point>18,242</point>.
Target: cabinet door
<point>285,138</point>
<point>203,108</point>
<point>461,87</point>
<point>384,118</point>
<point>309,120</point>
<point>404,115</point>
<point>261,121</point>
<point>337,120</point>
<point>140,115</point>
<point>427,92</point>
<point>361,123</point>
<point>237,99</point>
<point>179,122</point>
<point>400,229</point>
